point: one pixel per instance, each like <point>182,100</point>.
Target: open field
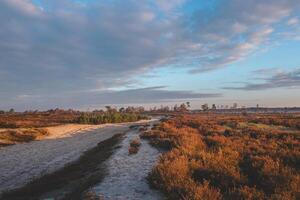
<point>203,156</point>
<point>149,100</point>
<point>214,156</point>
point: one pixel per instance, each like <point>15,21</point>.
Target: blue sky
<point>89,53</point>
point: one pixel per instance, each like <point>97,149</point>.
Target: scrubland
<point>211,156</point>
<point>28,126</point>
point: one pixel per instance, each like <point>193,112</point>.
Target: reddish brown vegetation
<point>227,157</point>
<point>37,119</point>
<point>134,146</point>
<point>287,120</point>
<point>57,117</point>
<point>11,136</point>
<point>27,126</point>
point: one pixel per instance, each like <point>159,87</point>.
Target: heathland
<point>19,127</point>
<point>203,156</point>
<point>214,156</point>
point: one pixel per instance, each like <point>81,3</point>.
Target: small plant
<point>134,146</point>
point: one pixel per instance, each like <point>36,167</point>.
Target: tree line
<point>108,117</point>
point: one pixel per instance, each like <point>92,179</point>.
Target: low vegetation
<point>108,117</point>
<point>134,146</point>
<point>37,119</point>
<point>11,136</point>
<point>290,121</point>
<point>17,127</point>
<point>227,157</point>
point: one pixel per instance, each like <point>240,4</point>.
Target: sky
<point>85,54</point>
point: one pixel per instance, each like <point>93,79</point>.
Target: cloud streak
<point>277,80</point>
<point>108,97</point>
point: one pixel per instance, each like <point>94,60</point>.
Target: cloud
<point>108,97</point>
<point>236,30</point>
<point>293,21</point>
<point>23,6</point>
<point>167,5</point>
<point>77,47</point>
<point>62,46</point>
<point>279,79</point>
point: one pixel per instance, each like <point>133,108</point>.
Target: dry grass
<point>37,120</point>
<point>227,157</point>
<point>14,136</point>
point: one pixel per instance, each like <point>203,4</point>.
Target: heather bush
<point>227,157</point>
<point>134,146</point>
<point>13,136</point>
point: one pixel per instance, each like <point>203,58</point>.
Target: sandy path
<point>21,163</point>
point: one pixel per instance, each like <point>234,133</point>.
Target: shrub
<point>208,160</point>
<point>134,146</point>
<point>108,117</point>
<point>13,136</point>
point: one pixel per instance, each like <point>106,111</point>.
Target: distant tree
<point>11,110</point>
<point>234,106</point>
<point>2,111</point>
<point>182,108</point>
<point>205,107</point>
<point>130,109</point>
<point>109,109</point>
<point>107,117</point>
<point>122,109</point>
<point>188,104</point>
<point>166,109</point>
<point>49,111</point>
<point>214,107</point>
<point>140,109</point>
<point>175,108</point>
